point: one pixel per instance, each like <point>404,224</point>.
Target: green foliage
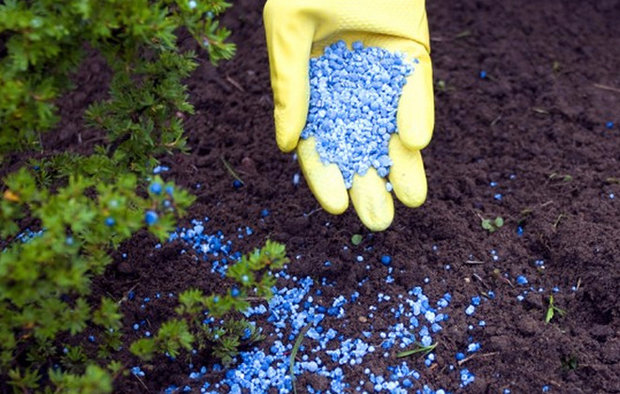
<point>294,350</point>
<point>172,336</point>
<point>85,205</point>
<point>62,258</point>
<point>492,225</point>
<point>195,329</point>
<point>419,349</point>
<point>111,341</point>
<point>570,362</point>
<point>115,367</point>
<point>22,381</point>
<point>46,41</point>
<point>563,177</point>
<point>552,309</point>
<point>94,380</point>
<point>108,316</point>
<point>253,271</point>
<point>74,359</point>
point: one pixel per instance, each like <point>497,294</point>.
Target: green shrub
<point>47,40</point>
<point>84,206</point>
<point>222,337</point>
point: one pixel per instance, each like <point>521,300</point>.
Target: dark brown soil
<point>535,125</point>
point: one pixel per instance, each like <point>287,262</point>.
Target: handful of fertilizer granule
<point>353,102</point>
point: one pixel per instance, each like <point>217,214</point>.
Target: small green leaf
<point>143,348</point>
<point>29,380</point>
<point>294,351</point>
<point>492,225</point>
<point>420,349</point>
<point>115,367</point>
<point>549,315</point>
<point>108,315</point>
<point>173,336</point>
<point>356,239</point>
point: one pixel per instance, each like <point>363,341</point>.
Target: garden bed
<point>524,100</point>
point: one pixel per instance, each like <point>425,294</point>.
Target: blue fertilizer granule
<point>333,346</point>
<point>353,102</point>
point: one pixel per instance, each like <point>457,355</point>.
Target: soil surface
<point>535,125</point>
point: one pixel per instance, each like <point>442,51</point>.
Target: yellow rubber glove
<point>297,30</point>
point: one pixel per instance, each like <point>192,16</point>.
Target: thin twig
<point>143,385</point>
<point>231,171</point>
<point>126,295</point>
<point>553,382</point>
<point>606,87</point>
<point>463,34</point>
<point>474,262</point>
<point>557,221</point>
<point>494,122</point>
<point>499,276</point>
<point>481,280</point>
<point>235,83</point>
<point>312,212</point>
<point>463,361</point>
<point>255,299</point>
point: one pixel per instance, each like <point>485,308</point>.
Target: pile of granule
<point>352,111</point>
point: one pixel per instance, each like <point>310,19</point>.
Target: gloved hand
<point>299,29</point>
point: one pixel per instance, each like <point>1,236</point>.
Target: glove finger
<point>416,107</point>
<point>372,202</point>
<point>325,181</point>
<point>289,40</point>
<point>407,173</point>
